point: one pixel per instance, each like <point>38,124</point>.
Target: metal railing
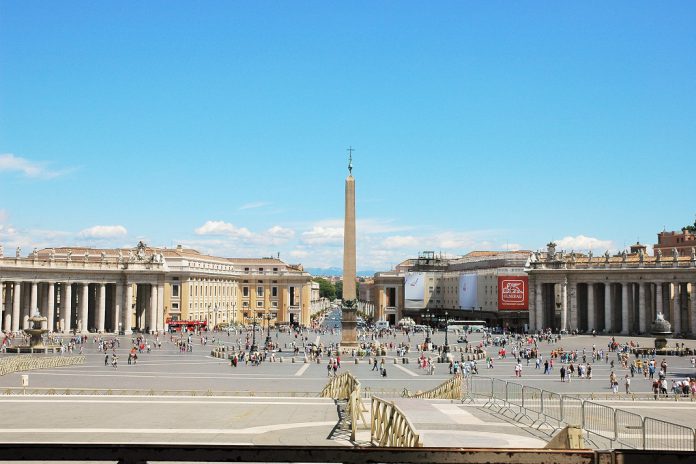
<point>390,426</point>
<point>27,363</point>
<point>548,411</point>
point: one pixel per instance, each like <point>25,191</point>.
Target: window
<point>274,292</point>
<point>259,292</point>
<point>245,304</point>
<point>275,269</point>
<point>175,290</point>
<point>245,292</point>
<point>259,304</point>
<point>274,304</point>
<point>260,269</point>
<point>175,305</point>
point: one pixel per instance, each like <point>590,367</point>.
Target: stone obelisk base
<point>349,327</point>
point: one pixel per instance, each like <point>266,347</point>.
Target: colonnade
<point>82,307</point>
<point>624,306</point>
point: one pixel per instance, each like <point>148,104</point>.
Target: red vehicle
<point>188,326</point>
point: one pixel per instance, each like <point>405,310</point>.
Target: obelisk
<point>349,335</point>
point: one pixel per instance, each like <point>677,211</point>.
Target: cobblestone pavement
<point>168,369</point>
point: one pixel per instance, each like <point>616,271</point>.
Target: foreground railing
<point>548,411</point>
<point>28,362</point>
<point>449,390</point>
<point>152,392</point>
<point>390,426</point>
<point>347,387</point>
<point>140,454</point>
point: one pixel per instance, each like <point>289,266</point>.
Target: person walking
<point>627,383</point>
<point>563,373</point>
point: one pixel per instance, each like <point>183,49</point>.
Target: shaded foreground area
<point>140,454</point>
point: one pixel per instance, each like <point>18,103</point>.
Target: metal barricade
<point>661,435</point>
<point>599,420</point>
<point>551,405</point>
<point>629,429</point>
<point>531,399</point>
<point>514,394</point>
<point>571,411</point>
<point>499,394</point>
<point>481,388</point>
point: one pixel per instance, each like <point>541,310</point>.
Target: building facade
<point>613,294</point>
<point>120,290</point>
<point>431,288</point>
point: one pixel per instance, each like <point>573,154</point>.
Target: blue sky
<point>224,125</point>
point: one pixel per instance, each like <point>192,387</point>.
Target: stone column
<point>33,305</point>
<point>624,308</point>
<point>564,305</point>
<point>66,306</point>
<point>590,308</point>
<point>540,306</point>
<point>160,307</point>
<point>573,306</point>
<point>692,310</point>
<point>676,310</point>
<point>532,309</point>
<point>7,325</point>
<point>84,308</point>
<point>608,310</point>
<point>658,299</point>
<point>118,304</point>
<point>127,309</point>
<point>101,307</point>
<point>16,302</point>
<point>642,313</point>
<point>3,306</point>
<point>51,308</point>
<point>152,308</point>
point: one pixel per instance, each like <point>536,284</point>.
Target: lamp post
<point>253,348</point>
<point>428,340</point>
<point>445,349</point>
<point>269,340</point>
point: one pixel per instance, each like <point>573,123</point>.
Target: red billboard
<point>513,293</point>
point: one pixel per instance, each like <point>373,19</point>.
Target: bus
<point>467,326</point>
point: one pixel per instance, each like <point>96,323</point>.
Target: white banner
<point>414,290</point>
<point>468,291</point>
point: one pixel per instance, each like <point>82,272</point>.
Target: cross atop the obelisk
<point>350,160</point>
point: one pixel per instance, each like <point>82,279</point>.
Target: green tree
<point>326,289</point>
<point>691,228</point>
<point>339,289</point>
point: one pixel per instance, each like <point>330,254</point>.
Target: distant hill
<point>335,271</point>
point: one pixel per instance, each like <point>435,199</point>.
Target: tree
<point>691,228</point>
<point>326,289</point>
<point>339,289</point>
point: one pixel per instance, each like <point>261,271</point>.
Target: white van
<point>379,325</point>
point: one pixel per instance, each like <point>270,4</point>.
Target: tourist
<point>627,383</point>
<point>563,373</point>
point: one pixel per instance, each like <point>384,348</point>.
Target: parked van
<point>380,325</point>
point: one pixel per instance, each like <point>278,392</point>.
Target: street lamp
<point>428,340</point>
<point>254,348</point>
<point>445,349</point>
<point>269,340</point>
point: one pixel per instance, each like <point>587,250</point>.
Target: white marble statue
<point>69,255</point>
<point>2,251</point>
<point>18,252</point>
<point>675,254</point>
<point>52,256</point>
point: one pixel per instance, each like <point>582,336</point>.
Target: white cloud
<point>223,228</point>
<point>281,232</point>
<point>320,235</point>
<point>254,205</point>
<point>299,254</point>
<point>102,232</point>
<point>12,163</point>
<point>402,241</point>
<point>582,242</point>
